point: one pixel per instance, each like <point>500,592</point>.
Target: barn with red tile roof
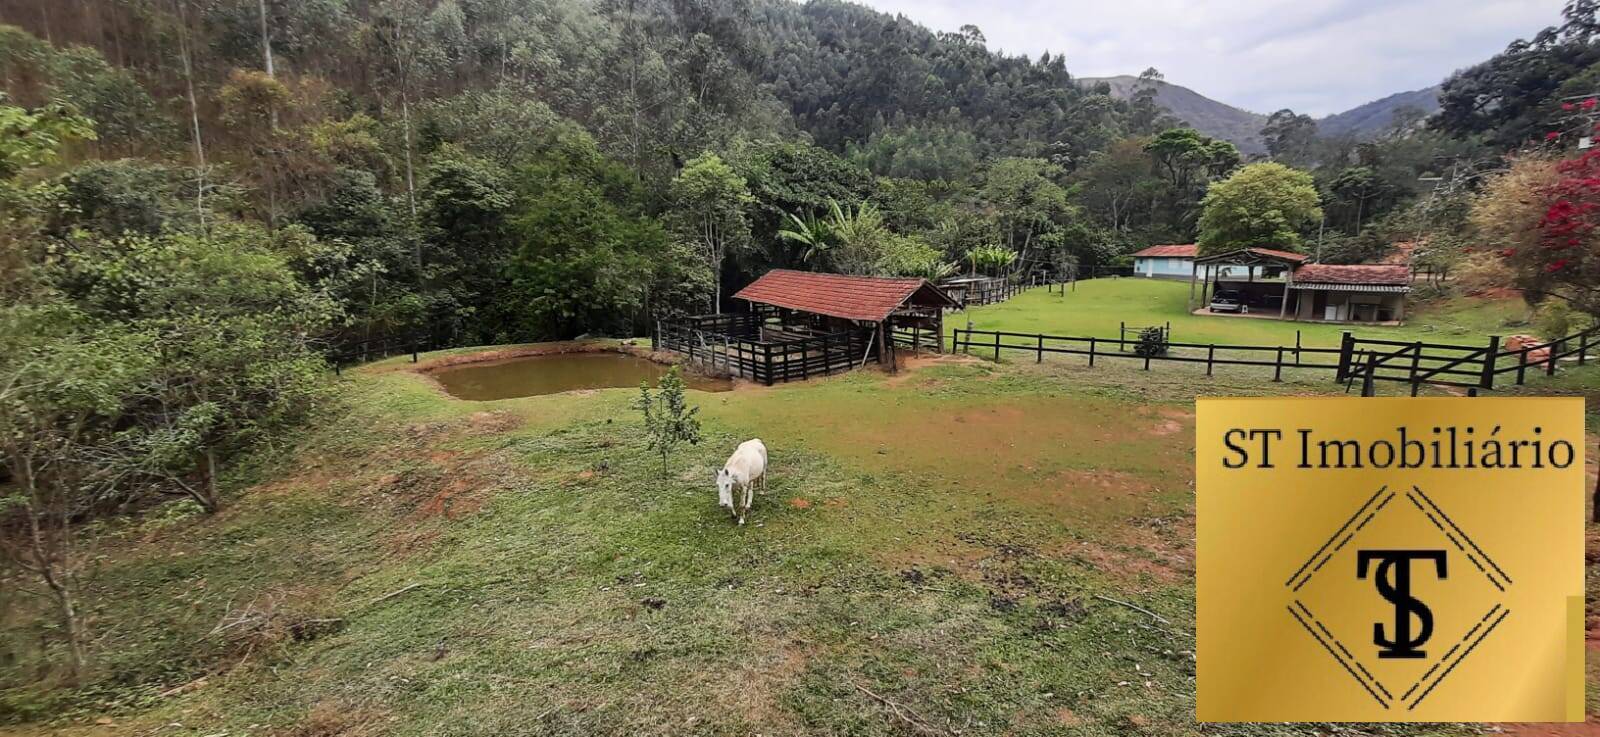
<point>803,324</point>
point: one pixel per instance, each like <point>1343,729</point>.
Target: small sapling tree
<point>668,419</point>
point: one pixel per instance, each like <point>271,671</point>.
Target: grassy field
<point>951,550</point>
<point>1096,308</point>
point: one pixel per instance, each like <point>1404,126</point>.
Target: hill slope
<point>1243,128</point>
<point>1215,119</point>
<point>1363,121</point>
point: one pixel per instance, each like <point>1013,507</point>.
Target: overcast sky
<point>1314,56</point>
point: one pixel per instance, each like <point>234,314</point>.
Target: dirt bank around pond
<point>491,354</point>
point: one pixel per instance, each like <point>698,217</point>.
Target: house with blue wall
<point>1177,262</point>
<point>1165,262</point>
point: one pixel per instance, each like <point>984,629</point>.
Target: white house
<point>1177,262</point>
<point>1170,261</point>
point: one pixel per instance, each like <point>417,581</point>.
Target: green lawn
<point>1096,308</point>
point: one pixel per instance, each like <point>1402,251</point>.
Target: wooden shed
<point>803,324</point>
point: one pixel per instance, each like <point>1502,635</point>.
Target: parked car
<point>1227,300</point>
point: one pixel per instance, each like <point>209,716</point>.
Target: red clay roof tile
<point>1169,251</point>
<point>867,298</point>
<point>1375,274</point>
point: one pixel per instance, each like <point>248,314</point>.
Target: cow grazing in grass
<point>736,482</point>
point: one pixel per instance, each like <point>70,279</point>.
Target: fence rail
<point>1416,363</point>
<point>361,351</point>
<point>1419,363</point>
<point>746,348</point>
<point>1209,354</point>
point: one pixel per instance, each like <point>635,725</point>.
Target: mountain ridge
<point>1243,127</point>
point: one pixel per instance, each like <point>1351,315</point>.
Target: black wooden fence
<point>1211,355</point>
<point>1367,360</point>
<point>740,345</point>
<point>350,352</point>
<point>1419,363</point>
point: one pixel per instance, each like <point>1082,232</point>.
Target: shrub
<point>1152,342</point>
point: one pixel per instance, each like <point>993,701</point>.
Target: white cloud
<point>1314,56</point>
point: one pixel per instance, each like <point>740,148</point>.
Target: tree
<point>1542,216</point>
<point>710,201</point>
<point>1116,181</point>
<point>1355,189</point>
<point>1025,199</point>
<point>1262,205</point>
<point>668,420</point>
<point>1511,98</point>
<point>1188,160</point>
<point>1290,138</point>
<point>63,391</point>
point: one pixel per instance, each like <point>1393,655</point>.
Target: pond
<point>561,372</point>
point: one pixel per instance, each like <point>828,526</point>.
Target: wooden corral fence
<point>918,338</point>
<point>973,292</point>
<point>1418,363</point>
<point>739,344</point>
<point>1211,355</point>
<point>1366,360</point>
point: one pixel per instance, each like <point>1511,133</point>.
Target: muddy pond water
<point>561,372</point>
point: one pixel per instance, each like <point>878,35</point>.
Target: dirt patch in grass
<point>755,690</point>
<point>1147,553</point>
<point>335,719</point>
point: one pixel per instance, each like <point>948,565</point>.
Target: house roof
<point>1169,251</point>
<point>1392,275</point>
<point>1253,254</point>
<point>866,298</point>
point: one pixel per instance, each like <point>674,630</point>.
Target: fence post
<point>1211,355</point>
<point>1551,351</point>
<point>1522,366</point>
<point>1368,388</point>
<point>1277,370</point>
<point>1347,346</point>
<point>1297,349</point>
<point>1122,334</point>
<point>997,346</point>
<point>1147,361</point>
<point>414,352</point>
<point>1091,353</point>
<point>1583,346</point>
<point>1416,363</point>
<point>1491,356</point>
<point>1040,358</point>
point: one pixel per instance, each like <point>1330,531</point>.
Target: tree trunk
<point>205,492</point>
<point>194,114</point>
<point>266,53</point>
<point>411,182</point>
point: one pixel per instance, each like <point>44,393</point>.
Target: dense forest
<point>198,197</point>
<point>428,157</point>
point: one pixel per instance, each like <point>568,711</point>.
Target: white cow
<point>746,469</point>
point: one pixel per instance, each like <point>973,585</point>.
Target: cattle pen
<point>802,324</point>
